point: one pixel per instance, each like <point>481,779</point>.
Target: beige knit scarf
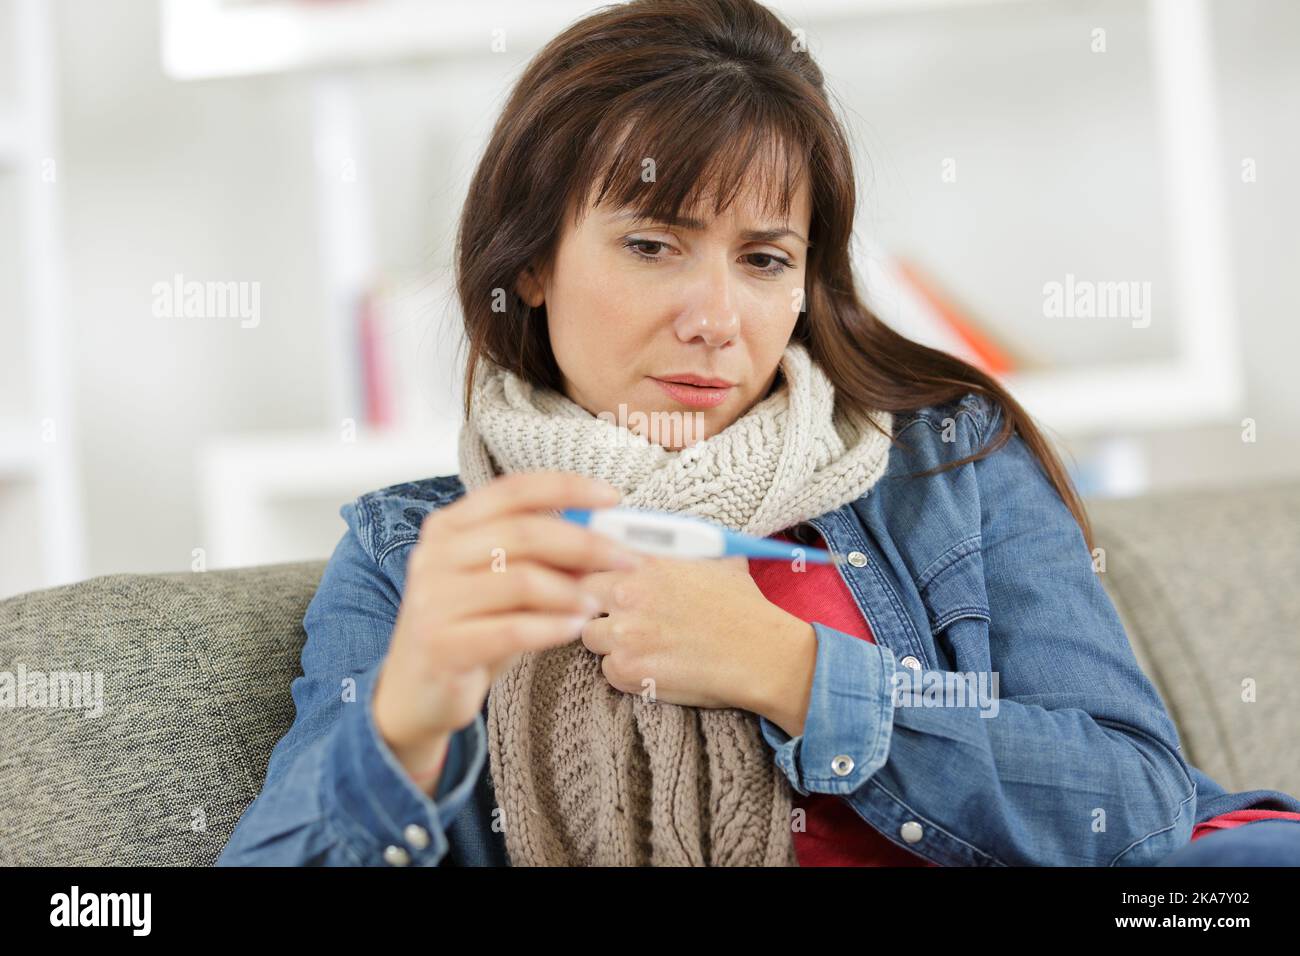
<point>588,775</point>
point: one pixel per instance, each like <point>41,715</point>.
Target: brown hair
<point>702,86</point>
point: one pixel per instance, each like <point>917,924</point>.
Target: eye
<point>633,243</point>
<point>769,263</point>
<point>781,263</point>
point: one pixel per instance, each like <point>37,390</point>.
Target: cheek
<point>775,314</point>
<point>782,306</point>
<point>598,344</point>
<point>598,302</point>
<point>579,307</point>
<point>599,317</point>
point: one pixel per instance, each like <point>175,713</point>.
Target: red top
<point>1235,818</point>
<point>835,835</point>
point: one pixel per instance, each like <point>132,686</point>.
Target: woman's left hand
<point>695,632</point>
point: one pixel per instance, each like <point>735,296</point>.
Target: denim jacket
<point>980,568</point>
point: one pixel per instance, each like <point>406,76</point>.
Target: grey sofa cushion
<point>1208,585</point>
<point>196,672</point>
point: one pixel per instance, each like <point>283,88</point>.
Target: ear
<point>529,287</point>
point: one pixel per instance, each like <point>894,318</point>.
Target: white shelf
<point>40,500</point>
<point>1132,398</point>
<point>204,39</point>
<point>247,480</point>
<point>1200,381</point>
<point>12,150</point>
<point>1203,381</point>
<point>20,452</point>
<point>316,462</point>
<point>207,39</point>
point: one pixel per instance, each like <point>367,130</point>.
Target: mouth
<point>690,392</point>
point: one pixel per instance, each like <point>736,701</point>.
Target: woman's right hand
<point>488,579</point>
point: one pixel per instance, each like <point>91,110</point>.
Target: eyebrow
<point>686,222</point>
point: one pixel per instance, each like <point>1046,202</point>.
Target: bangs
<point>668,159</point>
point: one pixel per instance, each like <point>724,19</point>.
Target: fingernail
<point>591,604</point>
<point>576,623</point>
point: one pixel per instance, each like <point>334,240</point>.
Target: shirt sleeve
<point>1076,763</point>
<point>850,717</point>
<point>335,794</point>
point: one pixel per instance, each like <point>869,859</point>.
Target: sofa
<point>196,669</point>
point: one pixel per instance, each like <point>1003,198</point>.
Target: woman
<point>666,197</point>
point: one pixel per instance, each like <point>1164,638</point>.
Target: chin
<point>672,428</point>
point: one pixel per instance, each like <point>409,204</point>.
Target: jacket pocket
<point>956,604</point>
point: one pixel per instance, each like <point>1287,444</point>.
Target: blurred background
<point>226,237</point>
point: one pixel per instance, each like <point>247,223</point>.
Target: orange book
<point>993,358</point>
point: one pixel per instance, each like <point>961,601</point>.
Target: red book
<point>375,374</point>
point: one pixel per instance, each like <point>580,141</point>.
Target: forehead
<point>752,204</point>
<point>760,177</point>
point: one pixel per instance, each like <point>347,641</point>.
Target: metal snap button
<point>910,832</point>
<point>396,856</point>
<point>842,764</point>
<point>857,559</point>
<point>416,836</point>
<point>912,662</point>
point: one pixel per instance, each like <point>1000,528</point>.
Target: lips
<point>688,379</point>
<point>694,395</point>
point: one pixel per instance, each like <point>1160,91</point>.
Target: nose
<point>710,312</point>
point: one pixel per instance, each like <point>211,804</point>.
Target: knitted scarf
<point>585,774</point>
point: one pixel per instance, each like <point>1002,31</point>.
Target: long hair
<point>704,87</point>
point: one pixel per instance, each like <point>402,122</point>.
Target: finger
<point>540,538</point>
<point>523,586</point>
<point>496,669</point>
<point>527,491</point>
<point>496,640</point>
<point>598,635</point>
<point>602,586</point>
